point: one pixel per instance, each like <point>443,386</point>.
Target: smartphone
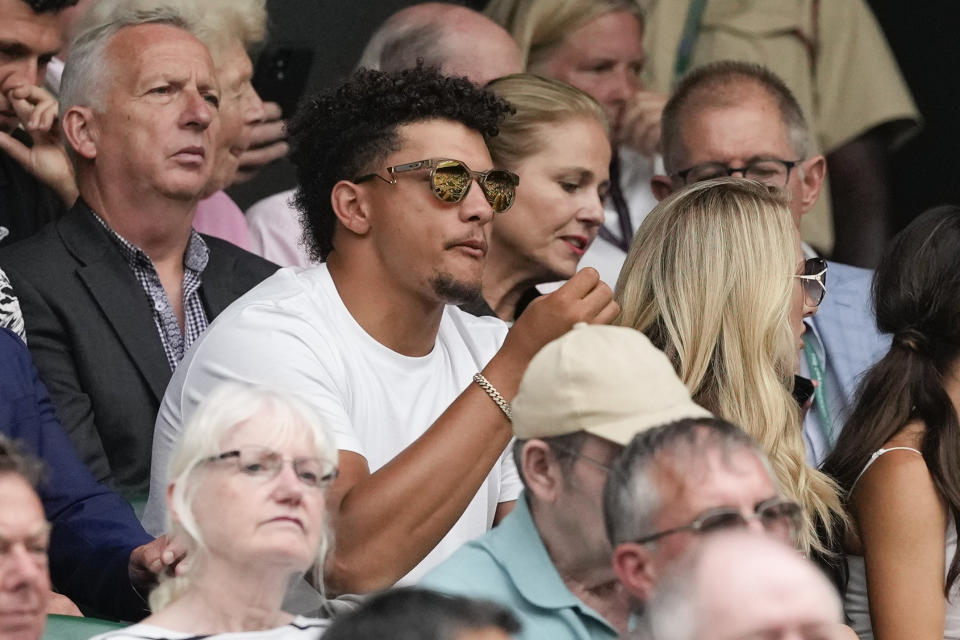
<point>802,390</point>
<point>281,76</point>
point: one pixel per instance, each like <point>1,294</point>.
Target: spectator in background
<point>577,407</point>
<point>11,317</point>
<point>456,40</point>
<point>897,457</point>
<point>36,184</point>
<point>737,586</point>
<point>738,119</point>
<point>24,537</point>
<point>674,484</point>
<point>835,60</point>
<point>247,490</point>
<point>408,613</point>
<point>596,46</point>
<point>556,141</point>
<point>118,289</point>
<point>229,28</point>
<point>717,280</point>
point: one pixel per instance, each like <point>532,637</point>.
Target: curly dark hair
<point>345,133</point>
<point>45,6</point>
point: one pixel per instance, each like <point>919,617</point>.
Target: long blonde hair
<point>539,26</point>
<point>708,280</point>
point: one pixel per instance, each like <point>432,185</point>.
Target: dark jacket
<point>91,332</point>
<point>93,529</point>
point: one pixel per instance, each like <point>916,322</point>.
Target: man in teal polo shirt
<point>581,400</point>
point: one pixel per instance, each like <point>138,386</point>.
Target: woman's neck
<point>228,599</point>
<point>504,283</point>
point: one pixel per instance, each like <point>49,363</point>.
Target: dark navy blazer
<point>93,529</point>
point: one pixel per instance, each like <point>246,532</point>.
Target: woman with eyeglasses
<point>556,142</point>
<point>897,459</point>
<point>248,479</point>
<point>716,278</point>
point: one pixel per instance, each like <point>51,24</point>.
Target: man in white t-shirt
<point>397,188</point>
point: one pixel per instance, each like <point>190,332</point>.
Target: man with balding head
<point>739,119</point>
<point>457,40</point>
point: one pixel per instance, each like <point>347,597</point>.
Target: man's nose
<point>474,205</point>
<point>199,110</point>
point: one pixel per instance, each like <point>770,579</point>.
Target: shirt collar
<point>195,257</point>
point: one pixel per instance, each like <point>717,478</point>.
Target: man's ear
<point>540,470</point>
<point>814,171</point>
<point>80,130</point>
<point>633,564</point>
<point>351,206</point>
<point>662,186</point>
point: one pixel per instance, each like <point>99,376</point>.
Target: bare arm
<point>862,209</point>
<point>902,522</point>
<point>389,520</point>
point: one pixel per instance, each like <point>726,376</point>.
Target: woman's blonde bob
<point>283,416</point>
<point>709,280</point>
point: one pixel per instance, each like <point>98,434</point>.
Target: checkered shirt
<point>175,341</point>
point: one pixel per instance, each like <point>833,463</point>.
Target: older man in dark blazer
<point>116,291</point>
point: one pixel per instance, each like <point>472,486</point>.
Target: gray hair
<point>86,70</point>
<point>632,496</point>
<point>221,411</point>
<point>721,84</point>
<point>14,462</point>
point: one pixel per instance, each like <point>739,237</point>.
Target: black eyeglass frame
<point>436,163</point>
<point>729,171</point>
<point>795,514</point>
<point>323,481</point>
<point>814,270</point>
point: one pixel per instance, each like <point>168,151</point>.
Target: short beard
<point>454,291</point>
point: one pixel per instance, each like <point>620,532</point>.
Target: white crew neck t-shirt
<point>300,628</point>
<point>293,332</point>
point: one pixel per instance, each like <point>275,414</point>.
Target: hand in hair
<point>267,143</point>
<point>46,159</point>
<point>640,125</point>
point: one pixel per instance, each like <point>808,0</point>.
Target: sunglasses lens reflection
<point>500,190</point>
<point>451,181</point>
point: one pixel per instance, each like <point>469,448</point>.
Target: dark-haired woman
<point>898,457</point>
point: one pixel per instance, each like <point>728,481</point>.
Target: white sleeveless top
<point>856,604</point>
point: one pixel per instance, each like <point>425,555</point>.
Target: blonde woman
<point>595,45</point>
<point>715,278</point>
<point>556,141</point>
<point>247,488</point>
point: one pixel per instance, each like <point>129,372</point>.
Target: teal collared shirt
<point>510,565</point>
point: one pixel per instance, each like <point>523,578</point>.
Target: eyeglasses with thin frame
<point>769,171</point>
<point>450,181</point>
<point>814,281</point>
<point>579,454</point>
<point>779,517</point>
<point>265,464</point>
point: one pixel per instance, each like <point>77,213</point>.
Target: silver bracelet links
<point>494,395</point>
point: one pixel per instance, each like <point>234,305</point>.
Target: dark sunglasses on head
<point>450,181</point>
<point>814,280</point>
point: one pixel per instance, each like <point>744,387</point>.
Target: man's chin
<point>454,291</point>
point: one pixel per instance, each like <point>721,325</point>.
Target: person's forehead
<point>717,478</point>
<point>746,124</point>
<point>21,513</point>
<point>438,138</point>
<point>37,32</point>
<point>615,34</point>
<point>149,50</point>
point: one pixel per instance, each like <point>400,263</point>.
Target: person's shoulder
<point>271,207</point>
<point>837,272</point>
<point>471,570</point>
<point>36,250</point>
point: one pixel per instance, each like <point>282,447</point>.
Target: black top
<point>26,204</point>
